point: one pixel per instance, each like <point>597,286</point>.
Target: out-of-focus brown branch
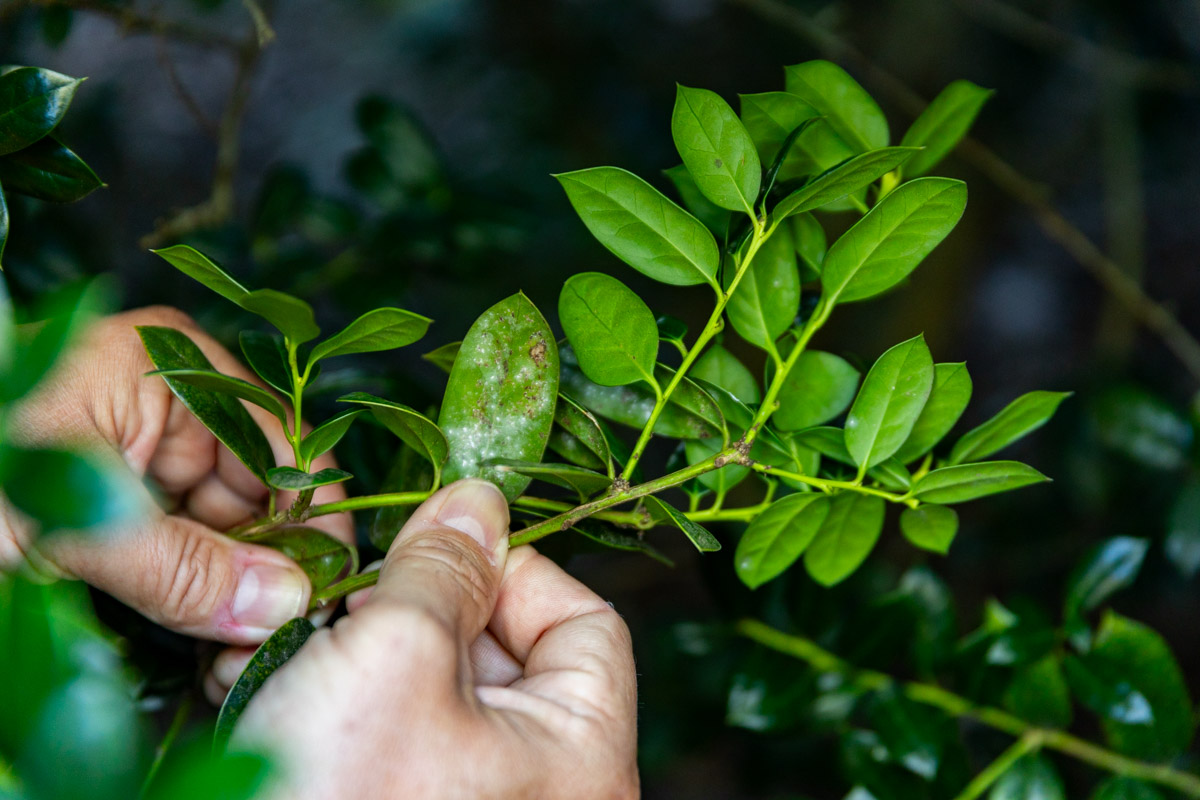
<point>132,21</point>
<point>182,92</point>
<point>1083,53</point>
<point>1151,314</point>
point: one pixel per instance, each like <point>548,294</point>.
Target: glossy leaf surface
<point>889,402</point>
<point>201,268</point>
<point>716,149</point>
<point>722,368</point>
<point>32,102</point>
<point>779,536</point>
<point>612,332</point>
<point>379,329</point>
<point>947,400</point>
<point>930,527</point>
<point>715,218</point>
<point>943,123</point>
<point>767,299</point>
<point>662,512</point>
<point>1109,567</point>
<point>819,387</point>
<point>291,479</point>
<point>213,381</point>
<point>846,537</point>
<point>322,557</point>
<point>577,437</point>
<point>1031,778</point>
<point>852,113</point>
<point>964,482</point>
<point>325,436</point>
<point>291,315</point>
<point>411,427</point>
<point>1020,417</point>
<point>583,481</point>
<point>844,179</point>
<point>267,356</point>
<point>49,171</point>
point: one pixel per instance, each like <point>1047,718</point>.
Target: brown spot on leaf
<point>718,163</point>
<point>538,352</point>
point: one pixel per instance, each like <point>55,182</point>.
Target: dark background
<point>1095,101</point>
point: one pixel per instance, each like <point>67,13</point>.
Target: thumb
<point>189,578</point>
<point>447,560</point>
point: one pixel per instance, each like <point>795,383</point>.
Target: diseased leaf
<point>1019,418</point>
<point>947,400</point>
<point>499,402</point>
<point>642,227</point>
<point>323,558</point>
<point>412,428</point>
<point>930,527</point>
<point>577,437</point>
<point>267,356</point>
<point>270,656</point>
<point>819,388</point>
<point>661,512</point>
<point>842,180</point>
<point>583,481</point>
<point>716,149</point>
<point>1038,694</point>
<point>1031,778</point>
<point>48,171</point>
<point>222,414</point>
<point>443,357</point>
<point>32,103</point>
<point>380,329</point>
<point>846,537</point>
<point>199,267</point>
<point>325,436</point>
<point>715,218</point>
<point>291,315</point>
<point>612,332</point>
<point>889,402</point>
<point>690,412</point>
<point>722,368</point>
<point>767,299</point>
<point>892,239</point>
<point>291,479</point>
<point>964,482</point>
<point>213,381</point>
<point>60,490</point>
<point>779,536</point>
<point>1108,567</point>
<point>852,113</point>
<point>942,124</point>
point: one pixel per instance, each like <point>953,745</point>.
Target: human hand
<point>469,671</point>
<point>173,567</point>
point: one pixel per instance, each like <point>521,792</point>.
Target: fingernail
<point>268,596</point>
<point>478,509</point>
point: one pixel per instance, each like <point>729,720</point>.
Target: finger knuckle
<point>168,316</point>
<point>196,578</point>
<point>454,558</point>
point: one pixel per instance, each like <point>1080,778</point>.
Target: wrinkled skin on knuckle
<point>195,575</point>
<point>449,557</point>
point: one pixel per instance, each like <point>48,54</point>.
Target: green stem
<point>711,329</point>
<point>541,504</point>
<point>771,398</point>
<point>956,706</point>
<point>368,501</point>
<point>826,485</point>
<point>297,404</point>
<point>1028,743</point>
<point>160,753</point>
<point>346,586</point>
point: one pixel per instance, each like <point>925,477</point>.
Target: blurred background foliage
<point>398,152</point>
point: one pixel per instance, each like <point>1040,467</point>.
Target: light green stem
<point>368,501</point>
<point>160,753</point>
<point>1028,743</point>
<point>957,706</point>
<point>827,485</point>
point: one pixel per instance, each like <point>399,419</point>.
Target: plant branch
<point>132,22</point>
<point>368,501</point>
<point>1028,743</point>
<point>826,484</point>
<point>1151,314</point>
<point>160,753</point>
<point>957,706</point>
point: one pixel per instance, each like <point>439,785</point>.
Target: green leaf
<point>826,440</point>
<point>911,732</point>
<point>1031,778</point>
<point>819,388</point>
<point>410,472</point>
<point>577,437</point>
<point>846,537</point>
<point>615,540</point>
<point>199,267</point>
<point>68,491</point>
<point>1108,567</point>
<point>947,400</point>
<point>1117,788</point>
<point>56,24</point>
<point>889,402</point>
<point>222,414</point>
<point>443,357</point>
<point>850,111</point>
<point>767,299</point>
<point>270,656</point>
<point>842,180</point>
<point>779,536</point>
<point>499,402</point>
<point>324,437</point>
<point>770,118</point>
<point>226,384</point>
<point>715,218</point>
<point>942,124</point>
<point>642,227</point>
<point>892,239</point>
<point>32,102</point>
<point>1019,418</point>
<point>930,527</point>
<point>1182,545</point>
<point>722,368</point>
<point>48,171</point>
<point>716,149</point>
<point>719,480</point>
<point>322,557</point>
<point>3,225</point>
<point>1143,427</point>
<point>267,356</point>
<point>964,482</point>
<point>1128,654</point>
<point>583,481</point>
<point>1038,694</point>
<point>291,315</point>
<point>811,245</point>
<point>612,332</point>
<point>380,329</point>
<point>690,412</point>
<point>291,479</point>
<point>412,428</point>
<point>671,329</point>
<point>661,512</point>
<point>193,773</point>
